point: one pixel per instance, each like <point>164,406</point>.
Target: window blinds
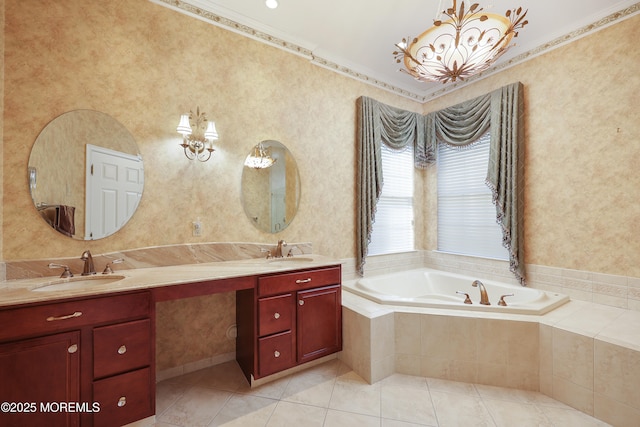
<point>466,214</point>
<point>393,228</point>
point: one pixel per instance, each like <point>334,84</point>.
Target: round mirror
<point>270,187</point>
<point>85,174</point>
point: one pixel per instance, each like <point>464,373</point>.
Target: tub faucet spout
<point>484,298</point>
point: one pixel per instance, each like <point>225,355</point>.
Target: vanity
<point>81,351</point>
<point>92,347</point>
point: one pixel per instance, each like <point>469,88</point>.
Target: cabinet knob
<point>72,349</point>
<point>122,349</point>
<point>122,401</point>
<point>276,353</point>
<point>276,315</point>
<point>300,302</point>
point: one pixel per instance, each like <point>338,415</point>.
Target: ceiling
<point>357,37</point>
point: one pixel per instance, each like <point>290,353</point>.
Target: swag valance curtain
<point>500,111</point>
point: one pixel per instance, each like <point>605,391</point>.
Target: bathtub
<point>430,288</point>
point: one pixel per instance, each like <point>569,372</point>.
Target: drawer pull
<point>122,349</point>
<point>301,281</point>
<point>68,316</point>
<point>72,349</point>
<point>300,302</point>
<point>276,315</point>
<point>276,353</point>
<point>122,401</point>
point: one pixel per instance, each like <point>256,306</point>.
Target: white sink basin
<point>77,283</point>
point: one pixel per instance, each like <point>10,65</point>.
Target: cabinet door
<point>319,323</point>
<point>36,375</point>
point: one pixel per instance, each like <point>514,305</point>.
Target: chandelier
<point>260,158</point>
<point>465,44</point>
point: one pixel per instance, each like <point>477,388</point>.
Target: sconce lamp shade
<point>184,127</point>
<point>211,132</point>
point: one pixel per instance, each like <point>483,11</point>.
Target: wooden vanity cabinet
<point>95,353</point>
<point>289,319</point>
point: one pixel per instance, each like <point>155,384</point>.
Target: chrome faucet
<point>89,269</point>
<point>484,298</point>
<point>278,253</point>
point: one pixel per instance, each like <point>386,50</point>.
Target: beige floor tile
<point>405,403</point>
<point>342,419</point>
<point>270,390</point>
<point>289,414</point>
<point>397,423</point>
<point>167,393</point>
<point>352,394</point>
<point>245,411</point>
<point>310,389</point>
<point>509,414</point>
<point>404,380</point>
<point>451,386</point>
<point>502,393</point>
<point>226,376</point>
<point>196,407</point>
<point>570,417</point>
<point>454,410</point>
<point>399,400</point>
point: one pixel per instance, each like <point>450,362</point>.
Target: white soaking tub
<point>431,288</point>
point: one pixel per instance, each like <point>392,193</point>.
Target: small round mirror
<point>85,174</point>
<point>270,186</point>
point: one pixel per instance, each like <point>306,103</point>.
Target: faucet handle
<point>107,268</point>
<point>502,302</point>
<point>66,273</point>
<point>263,250</point>
<point>467,300</point>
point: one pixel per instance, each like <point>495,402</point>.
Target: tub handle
<point>467,300</point>
<point>502,302</point>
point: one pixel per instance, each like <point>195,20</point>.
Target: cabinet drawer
<point>275,353</point>
<point>43,319</point>
<point>121,348</point>
<point>275,314</point>
<point>298,280</point>
<point>124,398</point>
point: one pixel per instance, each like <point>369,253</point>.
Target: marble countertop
<point>23,291</point>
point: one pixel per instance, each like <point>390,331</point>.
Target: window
<point>393,228</point>
<point>466,214</point>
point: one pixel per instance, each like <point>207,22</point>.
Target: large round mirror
<point>85,174</point>
<point>270,186</point>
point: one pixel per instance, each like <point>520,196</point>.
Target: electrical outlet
<point>197,228</point>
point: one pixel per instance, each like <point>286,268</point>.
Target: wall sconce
<point>197,136</point>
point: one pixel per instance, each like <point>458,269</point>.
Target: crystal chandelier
<point>260,158</point>
<point>465,44</point>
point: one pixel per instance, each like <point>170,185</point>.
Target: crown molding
<point>192,9</point>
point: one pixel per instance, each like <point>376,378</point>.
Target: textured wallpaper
<point>144,65</point>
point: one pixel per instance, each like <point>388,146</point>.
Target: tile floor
<point>331,395</point>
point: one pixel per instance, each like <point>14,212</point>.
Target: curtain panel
<point>379,123</point>
<point>501,111</point>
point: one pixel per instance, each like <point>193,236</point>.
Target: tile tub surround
<point>606,289</point>
<point>583,354</point>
